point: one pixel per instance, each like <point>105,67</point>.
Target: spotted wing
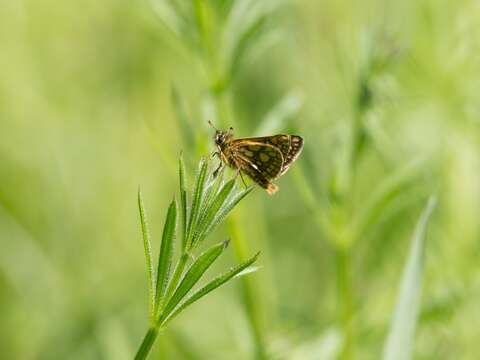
<point>289,145</point>
<point>296,147</point>
<point>257,175</point>
<point>266,159</point>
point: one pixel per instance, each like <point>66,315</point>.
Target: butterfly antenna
<point>211,124</point>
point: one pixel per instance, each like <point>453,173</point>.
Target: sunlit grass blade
<point>148,255</point>
<point>225,210</point>
<point>399,342</point>
<point>212,210</point>
<point>193,274</point>
<point>238,270</point>
<point>197,195</point>
<point>166,252</point>
<point>183,200</point>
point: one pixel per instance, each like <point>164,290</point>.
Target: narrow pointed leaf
<point>399,342</point>
<point>225,210</point>
<point>211,189</point>
<point>166,252</point>
<point>183,200</point>
<point>238,270</point>
<point>193,275</point>
<point>148,254</point>
<point>212,210</point>
<point>197,199</point>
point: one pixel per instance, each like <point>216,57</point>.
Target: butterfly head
<point>221,137</point>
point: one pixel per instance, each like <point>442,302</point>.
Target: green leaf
<point>399,342</point>
<point>211,190</point>
<point>183,200</point>
<point>197,195</point>
<point>225,210</point>
<point>166,252</point>
<point>148,255</point>
<point>193,275</point>
<point>212,210</point>
<point>238,270</point>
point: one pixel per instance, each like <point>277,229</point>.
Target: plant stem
<point>248,289</point>
<point>147,343</point>
<point>345,296</point>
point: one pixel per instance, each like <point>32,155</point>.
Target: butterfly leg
<point>217,170</point>
<point>239,172</point>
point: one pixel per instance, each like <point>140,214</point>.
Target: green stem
<point>147,344</point>
<point>248,289</point>
<point>345,295</point>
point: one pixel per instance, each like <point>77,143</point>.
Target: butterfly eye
<point>218,137</point>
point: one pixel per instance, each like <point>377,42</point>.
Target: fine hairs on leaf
<point>148,255</point>
<point>193,274</point>
<point>213,284</point>
<point>211,201</point>
<point>166,252</point>
<point>197,195</point>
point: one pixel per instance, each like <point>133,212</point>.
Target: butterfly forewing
<point>296,146</point>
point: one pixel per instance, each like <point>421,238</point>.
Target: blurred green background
<point>98,98</point>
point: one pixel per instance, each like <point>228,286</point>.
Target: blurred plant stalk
<point>335,218</point>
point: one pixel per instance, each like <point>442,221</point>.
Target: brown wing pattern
<point>290,146</point>
<point>256,175</point>
<point>265,158</point>
<point>296,146</point>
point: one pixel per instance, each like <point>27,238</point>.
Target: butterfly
<point>263,159</point>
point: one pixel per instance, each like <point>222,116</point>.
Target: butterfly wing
<point>289,145</point>
<point>296,147</point>
<point>262,162</point>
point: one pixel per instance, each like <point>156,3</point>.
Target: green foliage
<point>400,339</point>
<point>211,202</point>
